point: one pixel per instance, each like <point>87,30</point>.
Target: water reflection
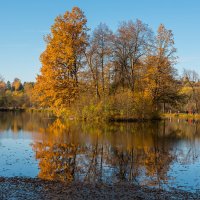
<point>160,154</point>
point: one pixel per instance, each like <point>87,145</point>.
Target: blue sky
<point>23,23</point>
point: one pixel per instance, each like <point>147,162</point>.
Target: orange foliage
<point>57,86</point>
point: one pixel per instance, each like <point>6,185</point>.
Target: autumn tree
<point>131,43</point>
<point>160,77</point>
<point>58,83</point>
<point>2,91</point>
<point>17,85</point>
<point>2,85</point>
<point>98,56</point>
<point>191,79</point>
<point>28,93</point>
<point>102,45</point>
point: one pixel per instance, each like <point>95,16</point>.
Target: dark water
<point>161,154</point>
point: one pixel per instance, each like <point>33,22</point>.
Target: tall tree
<point>101,40</point>
<point>160,75</point>
<point>98,57</point>
<point>131,43</point>
<point>57,85</point>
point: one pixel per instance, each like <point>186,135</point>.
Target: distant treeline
<point>16,94</point>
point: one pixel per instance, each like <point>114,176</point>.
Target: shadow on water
<point>160,154</point>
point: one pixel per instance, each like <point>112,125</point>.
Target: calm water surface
<point>161,154</point>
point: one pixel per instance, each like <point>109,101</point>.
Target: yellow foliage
<point>57,85</point>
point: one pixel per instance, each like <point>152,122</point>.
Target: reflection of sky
<point>185,172</point>
<point>16,155</point>
<point>185,177</point>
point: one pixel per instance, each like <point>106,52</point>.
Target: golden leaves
<point>57,84</point>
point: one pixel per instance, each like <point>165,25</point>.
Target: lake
<point>163,154</point>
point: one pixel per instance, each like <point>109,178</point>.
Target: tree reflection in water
<point>137,153</point>
<point>141,153</point>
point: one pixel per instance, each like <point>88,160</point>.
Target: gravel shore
<point>22,188</point>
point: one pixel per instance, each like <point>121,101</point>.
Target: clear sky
<point>23,23</point>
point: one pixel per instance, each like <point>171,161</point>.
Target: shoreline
<point>11,109</point>
<point>182,116</point>
<point>109,120</point>
<point>112,119</point>
<point>34,188</point>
